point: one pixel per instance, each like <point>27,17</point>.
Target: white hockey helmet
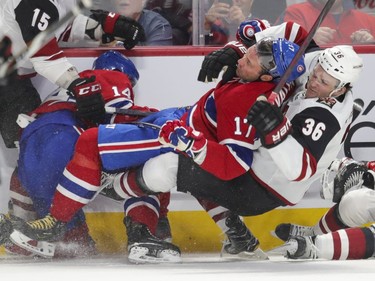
<point>342,63</point>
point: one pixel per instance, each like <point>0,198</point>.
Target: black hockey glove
<point>89,99</point>
<point>214,62</point>
<point>271,125</point>
<point>121,28</point>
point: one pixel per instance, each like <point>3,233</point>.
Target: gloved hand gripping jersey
<point>183,138</point>
<point>89,99</point>
<point>271,125</point>
<point>227,57</point>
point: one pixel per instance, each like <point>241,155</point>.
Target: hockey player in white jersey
<point>339,233</point>
<point>21,21</point>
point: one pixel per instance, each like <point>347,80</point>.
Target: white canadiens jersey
<point>319,128</point>
<point>22,20</point>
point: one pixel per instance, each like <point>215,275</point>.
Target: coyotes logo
<point>328,101</point>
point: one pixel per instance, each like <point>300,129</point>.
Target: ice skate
<point>284,231</point>
<point>241,242</point>
<point>301,247</point>
<point>163,230</point>
<point>107,188</point>
<point>45,229</point>
<point>143,247</point>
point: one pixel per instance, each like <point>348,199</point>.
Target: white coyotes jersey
<point>319,128</point>
<point>22,20</point>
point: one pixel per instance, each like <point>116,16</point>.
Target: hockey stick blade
<point>124,111</point>
<point>10,65</point>
<point>275,97</point>
<point>40,248</point>
<point>357,108</point>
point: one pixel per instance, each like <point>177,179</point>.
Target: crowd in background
<point>172,22</point>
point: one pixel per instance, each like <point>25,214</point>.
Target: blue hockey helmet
<point>275,55</point>
<point>113,60</point>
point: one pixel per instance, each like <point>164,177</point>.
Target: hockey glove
<point>214,62</point>
<point>89,99</point>
<point>348,177</point>
<point>182,138</point>
<point>271,125</point>
<point>117,27</point>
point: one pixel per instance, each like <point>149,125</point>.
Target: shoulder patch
<point>327,101</point>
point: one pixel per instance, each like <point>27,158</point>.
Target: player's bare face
<point>320,83</point>
<point>249,68</point>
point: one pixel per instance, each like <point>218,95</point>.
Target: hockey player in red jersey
<point>290,158</point>
<point>21,21</point>
<point>339,234</point>
<point>292,154</point>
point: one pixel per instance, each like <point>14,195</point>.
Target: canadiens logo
<point>249,32</point>
<point>328,101</point>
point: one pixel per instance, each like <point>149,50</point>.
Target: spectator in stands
<point>157,29</point>
<point>179,16</point>
<point>343,24</point>
<point>261,8</point>
<point>223,18</point>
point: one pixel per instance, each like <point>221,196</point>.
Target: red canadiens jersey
<point>116,90</point>
<point>288,30</point>
<point>319,129</point>
<point>22,20</point>
<point>221,116</point>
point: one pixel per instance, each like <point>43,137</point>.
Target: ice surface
<point>194,267</point>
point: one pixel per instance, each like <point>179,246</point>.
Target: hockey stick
<point>10,65</point>
<point>146,125</point>
<point>124,111</point>
<point>276,97</point>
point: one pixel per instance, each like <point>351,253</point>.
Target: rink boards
<point>168,78</point>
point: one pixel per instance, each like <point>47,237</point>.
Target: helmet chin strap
<point>334,92</point>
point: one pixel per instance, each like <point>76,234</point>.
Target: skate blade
<point>280,250</point>
<point>257,254</point>
<point>140,255</point>
<point>39,248</point>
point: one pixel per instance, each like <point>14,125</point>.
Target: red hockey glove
<point>182,138</point>
<point>269,122</point>
<point>89,99</point>
<point>117,27</point>
<point>214,62</point>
